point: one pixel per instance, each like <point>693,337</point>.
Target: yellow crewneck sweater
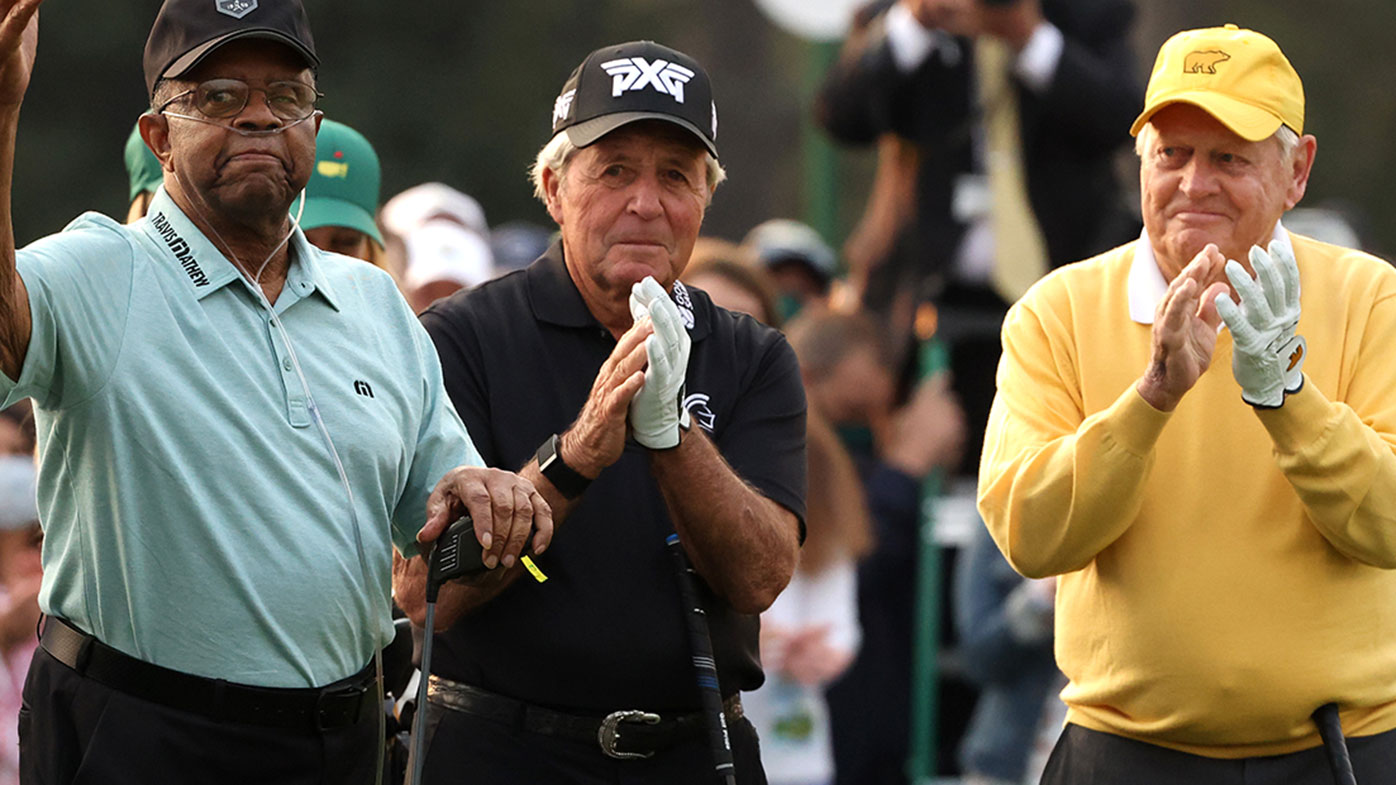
<point>1225,571</point>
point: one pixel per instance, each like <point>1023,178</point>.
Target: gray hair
<point>558,153</point>
<point>165,89</point>
<point>1285,136</point>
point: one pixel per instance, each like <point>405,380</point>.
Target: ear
<point>552,191</point>
<point>155,130</point>
<point>1301,164</point>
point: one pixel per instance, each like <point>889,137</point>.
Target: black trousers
<point>75,731</point>
<point>464,749</point>
<point>1088,757</point>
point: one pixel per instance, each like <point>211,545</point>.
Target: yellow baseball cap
<point>1238,76</point>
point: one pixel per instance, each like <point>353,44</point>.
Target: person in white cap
<point>443,257</point>
<point>422,204</point>
<point>1197,432</point>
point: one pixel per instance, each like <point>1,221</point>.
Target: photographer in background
<point>996,122</point>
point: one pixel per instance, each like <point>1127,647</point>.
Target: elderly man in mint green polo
<point>236,431</point>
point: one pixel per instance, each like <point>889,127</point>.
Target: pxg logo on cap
<point>639,80</point>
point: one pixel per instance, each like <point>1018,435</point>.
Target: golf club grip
<point>455,554</point>
<point>1330,729</point>
<point>704,666</point>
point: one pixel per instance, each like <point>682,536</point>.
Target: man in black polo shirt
<point>657,412</point>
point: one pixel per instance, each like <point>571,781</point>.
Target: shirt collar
<point>183,245</point>
<point>1146,283</point>
<point>307,265</point>
<point>554,297</point>
<point>207,269</point>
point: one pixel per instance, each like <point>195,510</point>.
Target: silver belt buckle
<point>609,732</point>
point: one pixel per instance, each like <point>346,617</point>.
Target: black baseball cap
<point>186,31</point>
<point>639,80</point>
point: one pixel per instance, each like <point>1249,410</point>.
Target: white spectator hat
<point>445,251</point>
<point>422,204</point>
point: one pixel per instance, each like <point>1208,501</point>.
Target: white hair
<point>1285,136</point>
<point>558,152</point>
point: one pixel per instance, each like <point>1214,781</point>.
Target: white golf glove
<point>1268,359</point>
<point>656,412</point>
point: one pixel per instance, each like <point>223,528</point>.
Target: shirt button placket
<point>297,412</point>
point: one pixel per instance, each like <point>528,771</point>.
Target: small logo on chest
<point>363,388</point>
<point>698,409</point>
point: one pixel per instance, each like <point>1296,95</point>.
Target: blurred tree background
<point>462,92</point>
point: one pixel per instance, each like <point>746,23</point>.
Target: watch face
<point>563,477</point>
<point>547,453</point>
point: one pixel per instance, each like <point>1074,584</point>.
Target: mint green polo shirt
<point>192,513</point>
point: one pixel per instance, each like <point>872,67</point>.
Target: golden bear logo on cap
<point>1204,62</point>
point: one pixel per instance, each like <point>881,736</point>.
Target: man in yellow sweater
<point>1226,541</point>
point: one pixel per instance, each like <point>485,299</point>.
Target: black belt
<point>316,708</point>
<point>628,733</point>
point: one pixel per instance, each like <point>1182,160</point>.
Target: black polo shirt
<point>607,630</point>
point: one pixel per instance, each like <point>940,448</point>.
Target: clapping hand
<point>1268,360</point>
<point>1184,331</point>
<point>656,411</point>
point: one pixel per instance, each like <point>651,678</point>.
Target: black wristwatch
<point>567,480</point>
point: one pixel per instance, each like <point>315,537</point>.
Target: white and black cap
<point>186,31</point>
<point>639,80</point>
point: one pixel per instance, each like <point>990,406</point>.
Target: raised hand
<point>1185,331</point>
<point>19,38</point>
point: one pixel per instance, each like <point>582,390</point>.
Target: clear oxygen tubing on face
<point>243,131</point>
<point>314,409</point>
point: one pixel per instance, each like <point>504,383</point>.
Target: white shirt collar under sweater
<point>1146,283</point>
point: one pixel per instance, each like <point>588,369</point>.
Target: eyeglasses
<point>228,97</point>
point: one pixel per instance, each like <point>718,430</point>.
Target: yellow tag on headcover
<point>533,569</point>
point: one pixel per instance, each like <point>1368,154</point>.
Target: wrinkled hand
<point>1184,332</point>
<point>656,412</point>
<point>1268,359</point>
<point>19,38</point>
<point>504,506</point>
<point>597,438</point>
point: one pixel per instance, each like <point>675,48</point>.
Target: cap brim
<point>194,56</point>
<point>323,211</point>
<point>588,131</point>
<point>1245,120</point>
